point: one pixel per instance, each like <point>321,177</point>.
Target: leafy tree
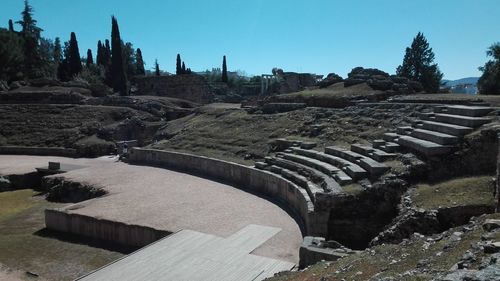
<point>63,72</point>
<point>58,56</point>
<point>139,63</point>
<point>157,68</point>
<point>31,36</point>
<point>129,57</point>
<point>489,82</point>
<point>183,70</point>
<point>90,58</point>
<point>48,65</point>
<point>11,26</point>
<point>418,65</point>
<point>73,58</point>
<point>11,54</point>
<point>178,66</point>
<point>224,70</point>
<point>119,78</point>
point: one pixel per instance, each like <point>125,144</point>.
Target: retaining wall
<point>121,233</point>
<point>43,151</point>
<point>241,176</point>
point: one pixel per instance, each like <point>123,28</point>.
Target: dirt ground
<point>171,201</point>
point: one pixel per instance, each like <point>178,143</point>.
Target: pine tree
<point>74,61</point>
<point>183,70</point>
<point>31,35</point>
<point>224,70</point>
<point>117,63</point>
<point>157,68</point>
<point>418,65</point>
<point>90,58</point>
<point>139,63</point>
<point>178,66</point>
<point>11,26</point>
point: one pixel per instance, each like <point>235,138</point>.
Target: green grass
<point>457,192</point>
<point>23,247</point>
<point>14,202</point>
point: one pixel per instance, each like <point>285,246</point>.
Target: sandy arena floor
<point>171,201</point>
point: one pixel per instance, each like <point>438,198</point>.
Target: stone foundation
<point>187,86</point>
<point>121,233</point>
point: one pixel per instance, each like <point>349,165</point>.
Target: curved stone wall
<point>241,176</point>
<point>42,151</point>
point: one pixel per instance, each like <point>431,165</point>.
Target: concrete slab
<point>190,255</point>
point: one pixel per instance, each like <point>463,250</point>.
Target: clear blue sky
<point>319,36</point>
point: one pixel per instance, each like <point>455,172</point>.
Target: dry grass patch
<point>456,192</point>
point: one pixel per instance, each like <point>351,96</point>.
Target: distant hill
<point>468,80</point>
<point>463,86</point>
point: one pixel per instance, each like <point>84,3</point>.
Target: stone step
<point>261,165</point>
<point>465,121</point>
<point>311,162</point>
<point>318,177</point>
<point>424,147</point>
<point>390,147</point>
<point>374,153</point>
<point>472,111</point>
<point>390,137</point>
<point>378,143</point>
<point>299,180</point>
<point>436,137</point>
<point>373,167</point>
<point>405,130</point>
<point>351,169</point>
<point>450,129</point>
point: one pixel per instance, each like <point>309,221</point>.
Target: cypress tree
<point>74,61</point>
<point>98,58</point>
<point>157,68</point>
<point>90,58</point>
<point>224,70</point>
<point>106,63</point>
<point>11,26</point>
<point>183,70</point>
<point>117,64</point>
<point>107,53</point>
<point>139,62</point>
<point>178,66</point>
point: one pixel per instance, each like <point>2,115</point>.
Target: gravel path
<point>171,201</point>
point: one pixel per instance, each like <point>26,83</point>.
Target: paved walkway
<point>171,201</point>
<point>189,255</point>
